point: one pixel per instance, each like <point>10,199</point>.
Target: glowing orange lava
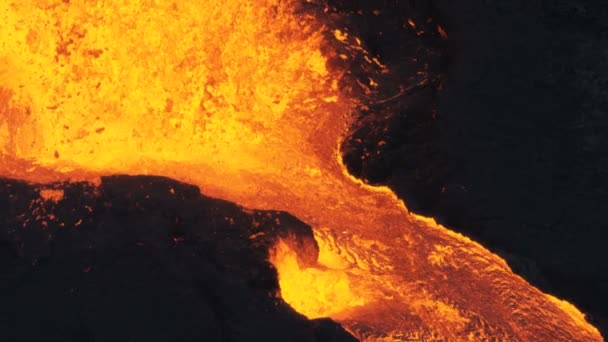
<point>52,195</point>
<point>250,100</point>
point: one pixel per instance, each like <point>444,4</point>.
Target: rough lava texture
<point>509,146</point>
<point>500,134</point>
<point>143,259</point>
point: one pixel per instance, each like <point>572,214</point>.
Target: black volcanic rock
<point>144,259</point>
<point>510,146</point>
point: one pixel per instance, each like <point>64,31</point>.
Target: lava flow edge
<point>250,102</point>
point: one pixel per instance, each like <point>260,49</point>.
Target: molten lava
<point>250,100</point>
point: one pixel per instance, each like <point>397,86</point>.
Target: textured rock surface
<point>516,154</point>
<point>502,138</point>
<point>143,259</point>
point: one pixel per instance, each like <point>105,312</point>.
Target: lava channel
<point>249,100</point>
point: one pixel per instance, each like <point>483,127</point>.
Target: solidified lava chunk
<point>120,276</point>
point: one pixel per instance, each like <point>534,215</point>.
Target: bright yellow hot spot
<point>314,292</point>
<point>244,99</point>
<point>123,83</point>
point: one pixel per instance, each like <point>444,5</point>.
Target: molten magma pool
<point>249,100</point>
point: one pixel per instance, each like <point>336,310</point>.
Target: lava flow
<point>250,100</point>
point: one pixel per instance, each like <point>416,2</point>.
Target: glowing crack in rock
<point>250,100</point>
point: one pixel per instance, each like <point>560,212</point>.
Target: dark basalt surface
<point>507,142</point>
<point>144,259</point>
<point>499,132</point>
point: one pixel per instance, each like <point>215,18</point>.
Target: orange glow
<point>442,33</point>
<point>51,195</point>
<point>249,100</point>
<point>411,23</point>
<point>314,291</point>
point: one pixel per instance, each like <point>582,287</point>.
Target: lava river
<point>250,100</point>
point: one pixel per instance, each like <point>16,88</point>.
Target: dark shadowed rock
<point>144,259</point>
<point>515,154</point>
